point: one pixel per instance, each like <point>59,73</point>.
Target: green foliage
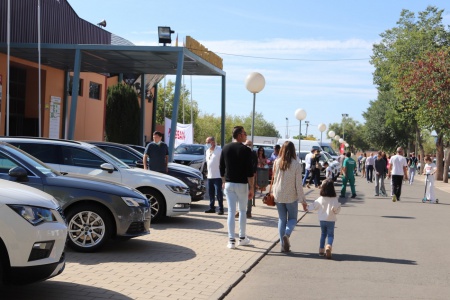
<point>351,131</point>
<point>122,115</point>
<point>164,105</point>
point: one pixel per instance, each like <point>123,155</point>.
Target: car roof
<point>40,140</point>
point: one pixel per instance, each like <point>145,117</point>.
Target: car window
<point>190,149</point>
<point>81,158</point>
<point>121,154</point>
<point>329,150</point>
<point>27,158</point>
<point>6,164</point>
<point>43,152</point>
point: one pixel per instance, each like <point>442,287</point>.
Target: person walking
<point>359,162</point>
<point>307,166</point>
<point>158,153</point>
<point>398,170</point>
<point>429,170</point>
<point>328,207</point>
<point>412,164</point>
<point>315,169</point>
<point>363,165</point>
<point>237,175</point>
<point>380,171</point>
<point>347,172</point>
<point>370,161</point>
<point>213,175</point>
<point>287,191</point>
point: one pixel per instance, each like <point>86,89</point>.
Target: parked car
<point>33,235</point>
<point>95,209</point>
<point>324,156</point>
<point>327,148</point>
<point>167,195</point>
<point>191,177</point>
<point>192,155</point>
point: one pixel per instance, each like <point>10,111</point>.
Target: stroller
<point>424,199</point>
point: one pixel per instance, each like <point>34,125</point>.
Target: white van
<point>327,148</point>
<point>305,145</point>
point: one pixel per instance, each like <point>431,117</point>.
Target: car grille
<point>136,227</point>
<point>182,162</point>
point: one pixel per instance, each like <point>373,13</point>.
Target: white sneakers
<point>244,242</point>
<point>241,242</point>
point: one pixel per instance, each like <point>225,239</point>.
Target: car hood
<point>185,169</point>
<point>188,157</point>
<point>156,177</point>
<point>93,184</point>
<point>15,193</point>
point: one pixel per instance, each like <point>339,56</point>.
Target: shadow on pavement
<point>56,290</point>
<point>350,257</point>
<point>398,217</point>
<point>132,251</point>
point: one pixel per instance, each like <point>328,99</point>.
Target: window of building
<point>94,90</point>
<point>80,87</point>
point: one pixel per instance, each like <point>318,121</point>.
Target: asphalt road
<point>382,250</point>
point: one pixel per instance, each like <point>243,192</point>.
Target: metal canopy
<point>115,58</point>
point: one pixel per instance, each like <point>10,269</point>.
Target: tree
<point>426,83</point>
<point>351,131</point>
<point>164,105</point>
<point>122,115</point>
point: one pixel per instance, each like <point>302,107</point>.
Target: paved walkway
<point>183,258</point>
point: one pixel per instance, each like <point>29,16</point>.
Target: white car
<point>192,155</point>
<point>33,234</point>
<point>168,196</point>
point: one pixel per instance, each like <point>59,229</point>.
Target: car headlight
<point>135,201</point>
<point>194,180</point>
<point>178,189</point>
<point>198,161</point>
<point>33,214</point>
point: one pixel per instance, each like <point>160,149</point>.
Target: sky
<point>314,55</point>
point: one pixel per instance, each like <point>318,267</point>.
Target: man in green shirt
<point>347,171</point>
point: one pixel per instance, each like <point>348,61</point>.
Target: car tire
<point>81,219</point>
<point>157,203</point>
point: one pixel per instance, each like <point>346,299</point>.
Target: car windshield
<point>329,150</point>
<point>117,162</point>
<point>190,149</point>
<point>42,167</point>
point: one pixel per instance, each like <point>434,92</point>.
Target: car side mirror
<point>107,167</point>
<point>19,173</point>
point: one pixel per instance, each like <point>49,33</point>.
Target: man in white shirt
<point>398,169</point>
<point>214,179</point>
<point>370,162</point>
<point>307,165</point>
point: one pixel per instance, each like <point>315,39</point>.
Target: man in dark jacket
<point>380,171</point>
<point>237,173</point>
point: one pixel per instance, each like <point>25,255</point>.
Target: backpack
<point>413,163</point>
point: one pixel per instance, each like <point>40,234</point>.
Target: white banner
<point>184,133</point>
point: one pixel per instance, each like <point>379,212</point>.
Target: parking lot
<point>183,258</point>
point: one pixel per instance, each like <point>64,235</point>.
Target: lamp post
<point>322,127</point>
<point>331,134</point>
<point>307,125</point>
<point>287,128</point>
<point>254,83</point>
<point>300,114</point>
<point>343,124</point>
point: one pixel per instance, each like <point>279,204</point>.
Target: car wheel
<point>89,227</point>
<point>157,203</point>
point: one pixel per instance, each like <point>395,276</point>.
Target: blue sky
<point>313,54</point>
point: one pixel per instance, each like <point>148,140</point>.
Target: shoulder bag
<point>269,199</point>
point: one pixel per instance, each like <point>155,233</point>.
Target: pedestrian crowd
<point>232,171</point>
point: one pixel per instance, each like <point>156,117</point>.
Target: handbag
<point>269,199</point>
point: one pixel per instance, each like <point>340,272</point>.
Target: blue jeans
<point>306,176</point>
<point>327,228</point>
<point>237,193</point>
<point>215,188</point>
<point>287,218</point>
<point>369,172</point>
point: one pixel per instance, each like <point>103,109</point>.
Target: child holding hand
<point>328,206</point>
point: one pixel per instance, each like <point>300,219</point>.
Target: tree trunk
<point>440,156</point>
<point>447,163</point>
<point>422,151</point>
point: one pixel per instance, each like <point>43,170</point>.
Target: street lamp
<point>287,128</point>
<point>343,124</point>
<point>300,114</point>
<point>307,125</point>
<point>331,134</point>
<point>322,127</point>
<point>254,83</point>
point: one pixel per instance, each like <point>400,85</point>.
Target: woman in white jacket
<point>328,206</point>
<point>287,191</point>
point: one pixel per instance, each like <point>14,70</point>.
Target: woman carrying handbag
<point>287,191</point>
